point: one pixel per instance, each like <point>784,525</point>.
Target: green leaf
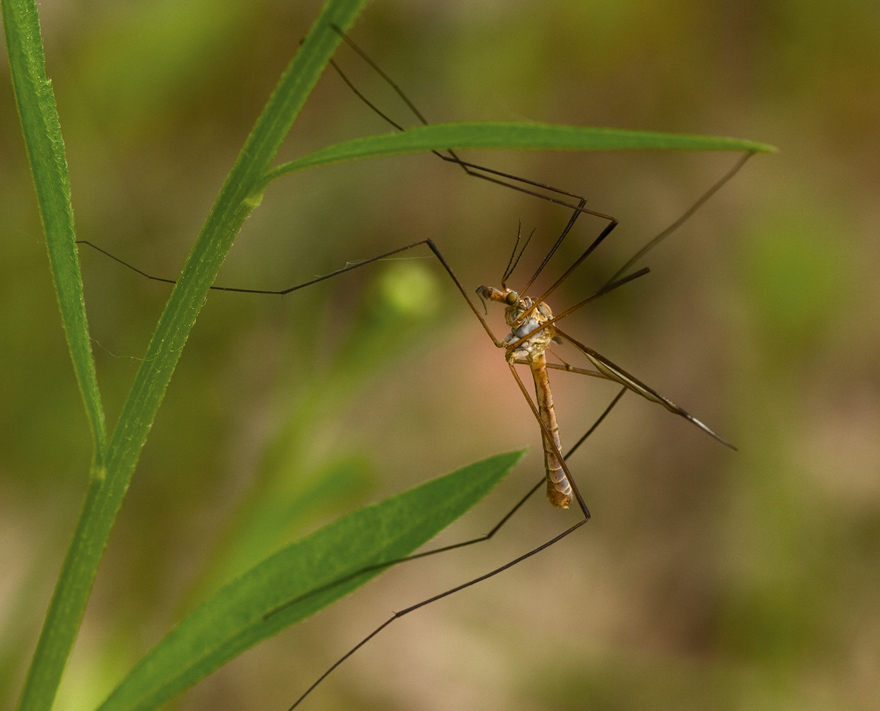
<point>45,149</point>
<point>41,129</point>
<point>300,579</point>
<point>535,136</point>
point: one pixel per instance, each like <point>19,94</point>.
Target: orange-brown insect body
<point>526,317</point>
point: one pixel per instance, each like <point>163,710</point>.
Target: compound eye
<point>511,298</point>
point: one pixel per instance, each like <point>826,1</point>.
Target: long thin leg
<point>438,254</point>
<point>684,217</point>
<point>351,267</point>
<point>474,581</point>
<point>498,177</point>
<point>617,279</point>
<point>471,169</point>
<point>461,544</point>
<point>478,171</point>
<point>434,249</point>
<point>423,603</point>
<point>495,176</point>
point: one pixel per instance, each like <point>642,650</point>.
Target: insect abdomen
<point>558,486</point>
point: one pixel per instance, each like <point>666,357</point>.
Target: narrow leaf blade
<point>531,136</point>
<point>41,128</point>
<point>257,604</point>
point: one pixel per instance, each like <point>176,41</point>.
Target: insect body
<point>531,333</point>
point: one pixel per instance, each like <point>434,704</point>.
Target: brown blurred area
<point>707,580</point>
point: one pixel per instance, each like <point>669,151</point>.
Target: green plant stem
<point>41,129</point>
<point>234,203</point>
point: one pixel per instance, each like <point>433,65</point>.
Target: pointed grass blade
<point>257,604</point>
<point>529,136</point>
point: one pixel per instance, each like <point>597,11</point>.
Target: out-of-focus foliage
<point>707,580</point>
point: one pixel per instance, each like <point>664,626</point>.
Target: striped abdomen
<point>558,487</point>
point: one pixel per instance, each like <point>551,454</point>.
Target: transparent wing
<point>618,374</point>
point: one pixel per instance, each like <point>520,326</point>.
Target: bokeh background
<point>708,579</point>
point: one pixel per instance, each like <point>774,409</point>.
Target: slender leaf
<point>535,136</point>
<point>45,149</point>
<point>299,580</point>
<point>41,129</point>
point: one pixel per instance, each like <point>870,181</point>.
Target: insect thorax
<point>519,328</point>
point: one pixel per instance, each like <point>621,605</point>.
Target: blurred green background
<point>707,579</point>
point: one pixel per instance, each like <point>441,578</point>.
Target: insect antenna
<point>514,257</point>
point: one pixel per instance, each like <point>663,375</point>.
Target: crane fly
<point>532,330</point>
<point>533,333</point>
